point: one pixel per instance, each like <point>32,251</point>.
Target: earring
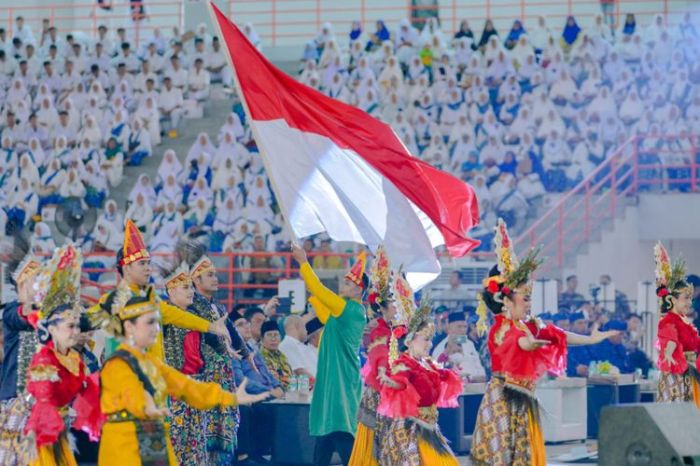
<point>130,340</point>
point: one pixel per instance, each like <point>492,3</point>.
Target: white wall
<point>626,252</point>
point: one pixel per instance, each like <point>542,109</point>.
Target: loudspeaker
<point>650,434</point>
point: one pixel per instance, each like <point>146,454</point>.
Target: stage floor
<point>554,452</point>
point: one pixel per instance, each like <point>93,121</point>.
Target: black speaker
<point>650,434</point>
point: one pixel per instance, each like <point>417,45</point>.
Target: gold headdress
<point>58,282</point>
<point>357,273</point>
<point>28,268</point>
<point>405,308</point>
<point>204,264</point>
<point>380,279</point>
<point>670,277</point>
<point>178,277</point>
<point>125,306</point>
<point>510,273</point>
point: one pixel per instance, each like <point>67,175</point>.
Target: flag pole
<point>256,136</point>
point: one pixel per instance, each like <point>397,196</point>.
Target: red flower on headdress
<point>506,291</point>
<point>66,259</point>
<point>493,287</point>
<point>372,298</point>
<point>400,331</point>
<point>662,292</point>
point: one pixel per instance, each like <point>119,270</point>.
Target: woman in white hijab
<point>169,165</point>
<point>27,170</point>
<point>493,49</point>
<point>407,40</point>
<point>632,109</point>
<point>335,88</point>
<point>369,102</point>
<point>309,73</point>
<point>73,187</point>
<point>112,162</point>
<point>227,150</point>
<point>539,35</point>
<point>106,237</point>
<point>199,218</point>
<point>600,30</point>
<point>168,228</point>
<point>47,116</point>
<point>141,213</point>
<point>17,93</point>
<point>324,36</point>
<point>200,190</point>
<point>252,35</point>
<point>90,131</point>
<point>233,125</point>
<point>563,89</point>
<point>139,144</point>
<point>144,187</point>
<point>149,117</point>
<point>521,51</point>
<point>461,150</point>
<point>41,241</point>
<point>37,157</point>
<point>51,181</point>
<point>227,215</point>
<point>430,30</point>
<point>202,146</point>
<point>97,92</point>
<point>552,122</point>
<point>23,202</point>
<point>604,104</point>
<point>96,184</point>
<point>392,69</point>
<point>112,215</point>
<point>171,191</point>
<point>329,55</point>
<point>329,73</point>
<point>119,129</point>
<point>436,153</point>
<point>223,173</point>
<point>42,93</point>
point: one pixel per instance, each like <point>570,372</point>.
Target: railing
<point>633,168</point>
<point>292,22</point>
<point>296,21</point>
<point>241,281</point>
<point>86,16</point>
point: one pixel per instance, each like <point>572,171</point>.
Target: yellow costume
<point>123,400</point>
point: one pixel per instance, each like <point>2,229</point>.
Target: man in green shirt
<point>336,395</point>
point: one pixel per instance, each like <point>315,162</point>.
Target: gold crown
<point>203,265</point>
<point>180,276</point>
<point>27,269</point>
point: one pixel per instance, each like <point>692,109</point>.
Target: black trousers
<point>341,442</point>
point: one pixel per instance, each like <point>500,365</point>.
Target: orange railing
<point>295,21</point>
<point>633,168</point>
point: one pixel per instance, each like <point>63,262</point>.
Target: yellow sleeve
<point>332,301</point>
<point>96,307</point>
<point>120,389</point>
<point>199,395</point>
<point>173,315</point>
<point>322,312</point>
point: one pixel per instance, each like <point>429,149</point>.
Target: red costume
<point>674,328</point>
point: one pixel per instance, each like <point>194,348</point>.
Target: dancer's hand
<point>299,254</point>
<point>152,411</point>
<point>218,328</point>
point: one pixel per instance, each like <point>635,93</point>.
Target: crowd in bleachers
<point>516,115</point>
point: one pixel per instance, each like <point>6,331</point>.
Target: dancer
<point>338,387</point>
<point>522,349</point>
<point>182,352</point>
<point>370,426</point>
<point>134,268</point>
<point>57,378</point>
<point>136,384</point>
<point>413,392</point>
<point>678,339</point>
<point>20,343</point>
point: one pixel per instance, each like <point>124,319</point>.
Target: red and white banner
<point>335,169</point>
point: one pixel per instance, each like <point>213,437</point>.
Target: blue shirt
<point>259,381</point>
<point>615,353</point>
<point>577,355</point>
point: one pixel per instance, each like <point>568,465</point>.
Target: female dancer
<point>57,378</point>
<point>413,391</point>
<point>678,342</point>
<point>135,387</point>
<point>522,349</point>
<point>369,428</point>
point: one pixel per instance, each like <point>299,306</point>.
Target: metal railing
<point>636,166</point>
<point>292,22</point>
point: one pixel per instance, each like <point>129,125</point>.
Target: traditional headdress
<point>508,275</point>
<point>28,268</point>
<point>124,307</point>
<point>58,288</point>
<point>357,273</point>
<point>134,248</point>
<point>203,265</point>
<point>178,277</point>
<point>380,280</point>
<point>405,309</point>
<point>670,277</point>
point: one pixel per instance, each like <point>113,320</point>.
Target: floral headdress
<point>405,309</point>
<point>511,272</point>
<point>670,277</point>
<point>380,278</point>
<point>58,282</point>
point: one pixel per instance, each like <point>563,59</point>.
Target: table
<point>457,424</point>
<point>563,409</point>
<point>291,442</point>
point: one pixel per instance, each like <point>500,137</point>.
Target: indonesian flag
<point>335,169</point>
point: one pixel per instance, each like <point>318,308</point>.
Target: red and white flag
<point>335,169</point>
